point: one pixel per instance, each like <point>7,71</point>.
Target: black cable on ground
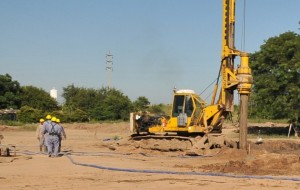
<point>181,173</point>
<point>67,154</point>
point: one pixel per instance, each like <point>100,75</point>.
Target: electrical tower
<point>109,63</point>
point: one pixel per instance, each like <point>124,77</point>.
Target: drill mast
<point>239,78</point>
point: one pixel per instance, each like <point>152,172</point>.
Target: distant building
<point>8,114</point>
<point>53,93</point>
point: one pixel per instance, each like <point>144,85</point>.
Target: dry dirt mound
<point>8,128</point>
<point>163,145</point>
<point>269,158</point>
<point>265,164</point>
<point>278,146</point>
<point>208,144</point>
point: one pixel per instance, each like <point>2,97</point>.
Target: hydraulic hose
<point>27,152</point>
<point>181,173</point>
<point>68,155</point>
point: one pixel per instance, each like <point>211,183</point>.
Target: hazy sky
<point>156,44</point>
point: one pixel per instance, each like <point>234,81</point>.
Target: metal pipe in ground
<point>243,121</point>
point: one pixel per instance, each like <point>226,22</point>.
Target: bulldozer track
<point>166,137</point>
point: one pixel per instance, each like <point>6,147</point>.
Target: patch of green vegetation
<point>105,121</point>
<point>11,123</point>
<point>167,108</point>
<point>19,125</point>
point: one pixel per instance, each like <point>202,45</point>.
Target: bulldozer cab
<point>186,105</point>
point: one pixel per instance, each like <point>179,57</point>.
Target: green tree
<point>28,114</point>
<point>115,105</point>
<point>85,99</point>
<point>141,103</point>
<point>157,108</point>
<point>37,98</point>
<point>82,98</point>
<point>276,72</point>
<point>103,104</point>
<point>76,115</point>
<point>71,96</point>
<point>9,92</point>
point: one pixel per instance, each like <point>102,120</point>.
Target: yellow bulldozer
<point>190,113</point>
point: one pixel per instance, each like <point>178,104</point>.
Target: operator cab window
<point>178,105</point>
<point>189,106</point>
<point>182,104</point>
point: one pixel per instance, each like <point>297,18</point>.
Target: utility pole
<point>109,63</point>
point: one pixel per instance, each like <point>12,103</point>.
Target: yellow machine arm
<point>232,78</point>
<point>239,78</point>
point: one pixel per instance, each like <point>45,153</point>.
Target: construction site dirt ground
<point>102,156</point>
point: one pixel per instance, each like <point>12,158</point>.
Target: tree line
<point>81,104</point>
<point>275,92</point>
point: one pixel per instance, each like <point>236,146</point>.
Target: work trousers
<point>43,143</point>
<point>52,143</point>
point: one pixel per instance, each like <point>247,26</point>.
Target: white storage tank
<point>53,93</point>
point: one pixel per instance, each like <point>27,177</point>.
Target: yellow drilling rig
<point>190,113</point>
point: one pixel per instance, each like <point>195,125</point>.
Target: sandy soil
<point>102,156</point>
